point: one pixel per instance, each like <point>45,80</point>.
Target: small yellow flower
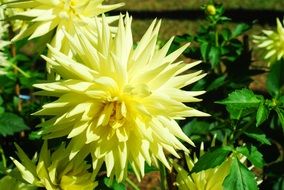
<point>46,16</point>
<point>54,171</point>
<point>272,42</point>
<point>120,101</point>
<point>211,9</point>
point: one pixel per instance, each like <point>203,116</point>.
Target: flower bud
<point>211,9</point>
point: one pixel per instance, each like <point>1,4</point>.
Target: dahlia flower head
<point>272,42</point>
<point>49,18</point>
<point>210,179</point>
<point>3,30</point>
<point>16,25</point>
<point>119,101</point>
<point>11,183</point>
<point>54,171</point>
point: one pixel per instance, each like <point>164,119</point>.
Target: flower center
<point>67,9</point>
<point>113,114</point>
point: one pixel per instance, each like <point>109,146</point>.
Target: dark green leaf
<point>252,154</point>
<point>275,79</point>
<point>211,159</point>
<point>204,47</point>
<point>240,29</point>
<point>196,127</point>
<point>2,110</point>
<point>11,123</point>
<point>226,33</point>
<point>281,102</point>
<point>114,185</point>
<point>239,178</point>
<point>225,51</point>
<point>217,83</point>
<point>280,113</point>
<point>258,135</point>
<point>279,184</point>
<point>1,100</point>
<point>21,57</point>
<point>149,169</point>
<point>262,114</point>
<point>214,56</point>
<point>241,102</point>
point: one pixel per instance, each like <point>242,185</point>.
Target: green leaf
<point>241,102</point>
<point>279,184</point>
<point>252,154</point>
<point>239,178</point>
<point>275,80</point>
<point>35,135</point>
<point>218,82</point>
<point>281,102</point>
<point>280,113</point>
<point>196,127</point>
<point>240,29</point>
<point>214,56</point>
<point>261,114</point>
<point>1,100</point>
<point>212,159</point>
<point>204,47</point>
<point>21,57</point>
<point>149,168</point>
<point>258,135</point>
<point>11,123</point>
<point>113,184</point>
<point>226,33</point>
<point>2,110</point>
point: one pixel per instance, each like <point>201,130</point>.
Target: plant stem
<point>3,157</point>
<point>132,184</point>
<point>163,176</point>
<point>20,70</point>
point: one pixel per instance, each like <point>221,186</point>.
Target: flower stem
<point>163,176</point>
<point>3,157</point>
<point>132,184</point>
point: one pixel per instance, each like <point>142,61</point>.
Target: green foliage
<point>11,124</point>
<point>239,178</point>
<point>241,117</point>
<point>241,102</point>
<point>252,154</point>
<point>262,114</point>
<point>258,135</point>
<point>113,184</point>
<point>275,79</point>
<point>211,159</point>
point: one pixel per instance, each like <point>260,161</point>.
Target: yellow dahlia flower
<point>11,183</point>
<point>16,25</point>
<point>272,42</point>
<point>210,179</point>
<point>54,171</point>
<point>45,16</point>
<point>3,43</point>
<point>120,101</point>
